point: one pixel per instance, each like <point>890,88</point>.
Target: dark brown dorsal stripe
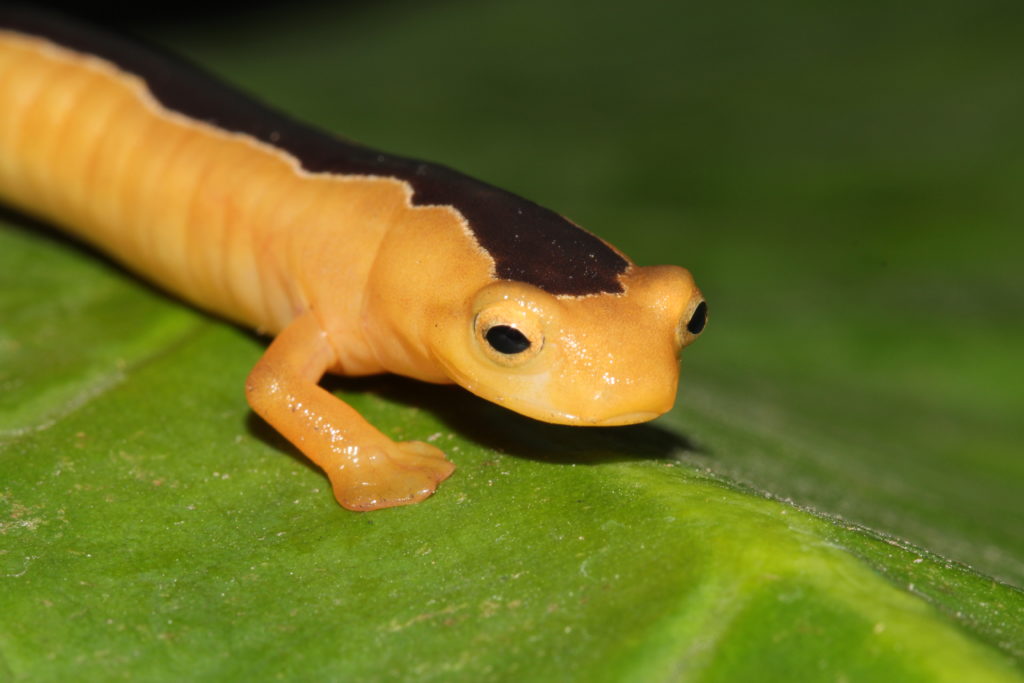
<point>528,243</point>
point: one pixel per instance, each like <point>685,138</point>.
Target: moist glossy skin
<point>359,262</point>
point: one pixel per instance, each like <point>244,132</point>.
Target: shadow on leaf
<point>502,430</point>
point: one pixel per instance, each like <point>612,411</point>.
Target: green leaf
<point>829,500</point>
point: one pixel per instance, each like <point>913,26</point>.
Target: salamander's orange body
<point>359,262</point>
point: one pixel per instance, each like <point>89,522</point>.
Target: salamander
<point>357,262</point>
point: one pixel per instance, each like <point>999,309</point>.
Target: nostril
<point>698,319</point>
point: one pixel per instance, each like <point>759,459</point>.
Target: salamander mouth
<point>627,419</point>
<point>544,412</point>
<point>631,418</point>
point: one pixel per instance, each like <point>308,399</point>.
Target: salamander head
<point>604,359</point>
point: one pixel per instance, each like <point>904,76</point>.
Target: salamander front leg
<point>367,469</point>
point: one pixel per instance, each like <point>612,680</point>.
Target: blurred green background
<point>843,179</point>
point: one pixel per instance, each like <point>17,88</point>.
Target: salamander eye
<point>506,339</point>
<point>508,335</point>
<point>693,324</point>
<point>699,319</point>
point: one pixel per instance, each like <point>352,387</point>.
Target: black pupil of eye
<point>698,319</point>
<point>508,340</point>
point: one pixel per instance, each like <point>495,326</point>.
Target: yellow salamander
<point>358,262</point>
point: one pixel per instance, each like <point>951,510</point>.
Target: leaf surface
<point>829,500</point>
